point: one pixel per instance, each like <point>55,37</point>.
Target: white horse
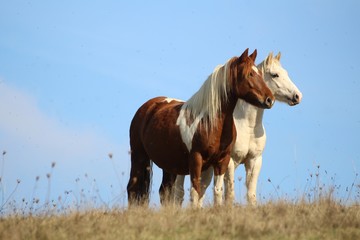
<point>251,137</point>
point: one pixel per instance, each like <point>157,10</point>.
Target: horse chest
<point>214,148</point>
<point>217,151</point>
<point>250,143</point>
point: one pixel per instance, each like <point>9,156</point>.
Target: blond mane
<point>206,102</point>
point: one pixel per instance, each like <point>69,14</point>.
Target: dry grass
<point>322,214</point>
<point>280,220</point>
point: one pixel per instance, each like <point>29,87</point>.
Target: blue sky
<point>73,73</point>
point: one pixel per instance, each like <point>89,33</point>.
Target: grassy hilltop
<point>321,212</point>
<point>278,220</point>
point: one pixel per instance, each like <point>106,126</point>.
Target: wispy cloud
<point>22,119</point>
<point>33,140</point>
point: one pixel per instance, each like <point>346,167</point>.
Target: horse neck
<point>248,114</point>
<point>228,107</point>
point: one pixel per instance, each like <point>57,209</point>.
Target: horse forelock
<point>268,63</point>
<point>249,66</point>
<point>270,59</point>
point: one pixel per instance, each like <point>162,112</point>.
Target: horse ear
<point>278,56</point>
<point>253,55</point>
<point>269,58</point>
<point>244,55</point>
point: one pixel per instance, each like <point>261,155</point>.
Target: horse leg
<point>140,178</point>
<point>218,189</point>
<point>205,182</point>
<point>178,190</point>
<point>229,182</point>
<point>195,165</point>
<point>166,187</point>
<point>219,172</point>
<point>252,168</point>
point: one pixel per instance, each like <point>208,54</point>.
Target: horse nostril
<point>296,97</point>
<point>268,101</point>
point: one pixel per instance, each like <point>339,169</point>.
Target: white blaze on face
<point>255,69</point>
<point>187,132</point>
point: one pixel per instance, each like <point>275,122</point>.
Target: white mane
<point>206,102</point>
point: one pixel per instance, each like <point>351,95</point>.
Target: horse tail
<point>139,184</point>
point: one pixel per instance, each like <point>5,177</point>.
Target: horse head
<point>279,82</point>
<point>248,83</point>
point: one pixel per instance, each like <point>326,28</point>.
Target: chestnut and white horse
<point>251,137</point>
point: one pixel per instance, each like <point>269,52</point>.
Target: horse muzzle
<point>296,99</point>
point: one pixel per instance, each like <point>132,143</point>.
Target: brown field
<point>279,220</point>
<point>320,212</point>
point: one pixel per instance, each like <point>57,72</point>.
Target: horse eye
<point>275,75</point>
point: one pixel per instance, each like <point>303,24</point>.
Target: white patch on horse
<point>218,189</point>
<point>187,132</point>
<point>255,69</point>
<point>168,100</point>
<point>194,198</point>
